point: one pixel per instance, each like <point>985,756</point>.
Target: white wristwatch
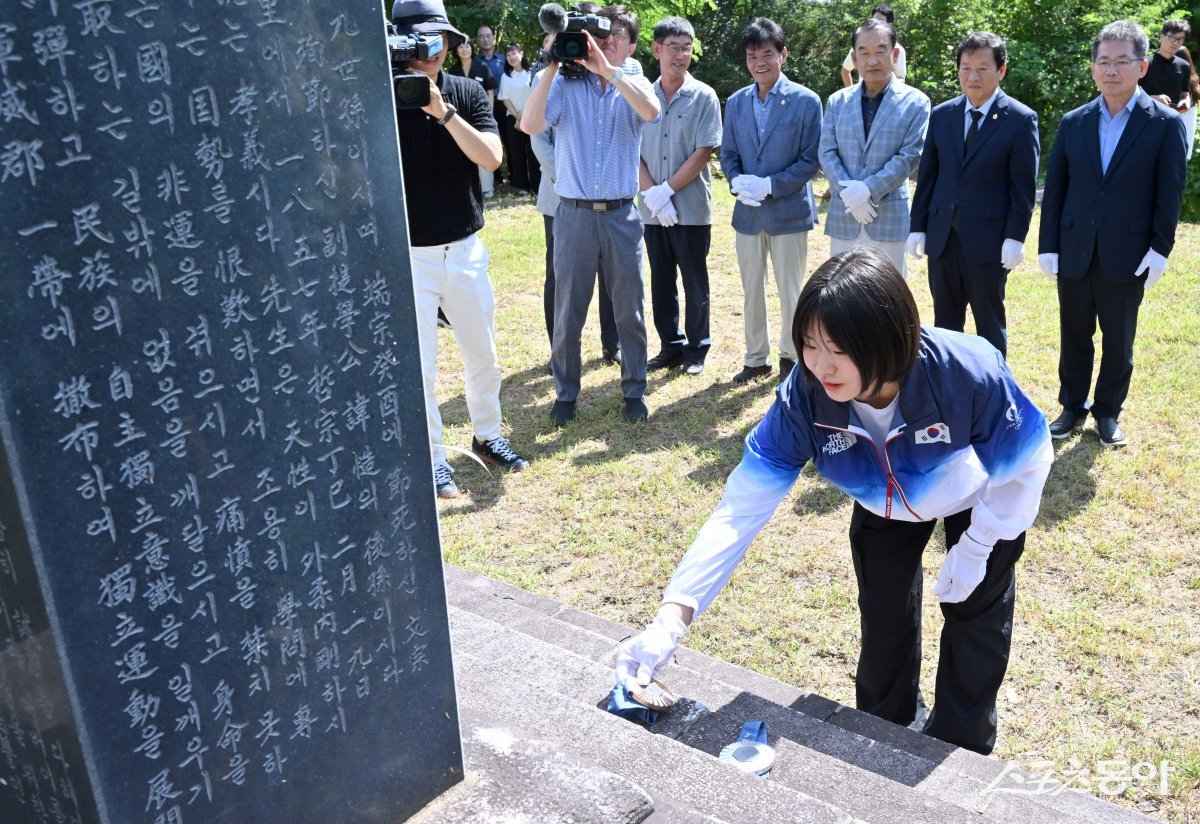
<point>617,75</point>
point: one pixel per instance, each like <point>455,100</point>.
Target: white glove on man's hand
<point>657,196</point>
<point>1012,253</point>
<point>1154,265</point>
<point>864,213</point>
<point>667,216</point>
<point>749,201</point>
<point>915,246</point>
<point>1049,264</point>
<point>963,569</point>
<point>754,187</point>
<point>854,193</point>
<point>642,656</point>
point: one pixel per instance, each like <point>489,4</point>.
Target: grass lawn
<point>1106,646</point>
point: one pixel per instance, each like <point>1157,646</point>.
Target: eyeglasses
<point>1122,65</point>
<point>677,48</point>
<point>1176,38</point>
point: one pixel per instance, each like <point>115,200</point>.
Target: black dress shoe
<point>1067,424</point>
<point>611,355</point>
<point>562,413</point>
<point>635,410</point>
<point>1111,433</point>
<point>664,360</point>
<point>786,365</point>
<point>749,373</point>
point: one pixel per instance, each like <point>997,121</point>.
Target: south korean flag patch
<point>934,433</point>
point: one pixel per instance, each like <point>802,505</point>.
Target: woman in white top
<point>515,88</point>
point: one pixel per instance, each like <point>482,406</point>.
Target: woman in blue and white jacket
<point>915,424</point>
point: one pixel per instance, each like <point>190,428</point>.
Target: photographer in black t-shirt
<point>440,145</point>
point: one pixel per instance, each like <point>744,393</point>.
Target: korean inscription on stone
<point>207,315</point>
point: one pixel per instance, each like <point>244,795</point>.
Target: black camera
<point>570,47</point>
<point>412,90</point>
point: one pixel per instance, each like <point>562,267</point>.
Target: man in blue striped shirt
<point>598,122</point>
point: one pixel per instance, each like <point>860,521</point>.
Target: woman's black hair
<point>508,69</point>
<point>864,306</point>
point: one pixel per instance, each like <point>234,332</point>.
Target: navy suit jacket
<point>991,188</point>
<point>787,154</point>
<point>1123,212</point>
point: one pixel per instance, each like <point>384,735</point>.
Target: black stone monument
<point>221,593</point>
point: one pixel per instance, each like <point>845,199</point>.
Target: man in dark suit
<point>977,177</point>
<point>1113,188</point>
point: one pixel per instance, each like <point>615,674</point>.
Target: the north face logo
<point>839,442</point>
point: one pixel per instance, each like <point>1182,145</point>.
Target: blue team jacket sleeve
<point>1012,441</point>
<point>773,456</point>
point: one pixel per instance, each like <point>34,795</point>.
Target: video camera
<point>412,90</point>
<point>570,43</point>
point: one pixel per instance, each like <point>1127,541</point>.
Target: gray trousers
<point>583,241</point>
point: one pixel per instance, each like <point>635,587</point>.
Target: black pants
<point>682,250</point>
<point>609,340</point>
<point>523,169</point>
<point>976,635</point>
<point>956,283</point>
<point>1081,302</point>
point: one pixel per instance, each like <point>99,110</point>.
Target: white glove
<point>642,656</point>
<point>1154,265</point>
<point>864,213</point>
<point>667,216</point>
<point>854,193</point>
<point>754,187</point>
<point>915,245</point>
<point>1049,264</point>
<point>657,196</point>
<point>749,201</point>
<point>963,569</point>
<point>1012,253</point>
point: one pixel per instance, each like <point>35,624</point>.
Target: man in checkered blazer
<point>871,141</point>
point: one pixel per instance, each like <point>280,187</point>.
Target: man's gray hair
<point>673,27</point>
<point>1123,30</point>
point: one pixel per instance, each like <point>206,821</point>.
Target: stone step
<point>513,686</point>
<point>859,750</point>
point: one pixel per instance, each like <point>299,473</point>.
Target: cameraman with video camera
<point>442,137</point>
<point>598,113</point>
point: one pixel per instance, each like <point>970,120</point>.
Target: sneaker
<point>1111,433</point>
<point>443,321</point>
<point>522,192</point>
<point>749,373</point>
<point>694,368</point>
<point>497,452</point>
<point>443,480</point>
<point>1066,425</point>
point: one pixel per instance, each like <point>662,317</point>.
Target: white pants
<point>894,249</point>
<point>454,277</point>
<point>789,260</point>
<point>1189,122</point>
<point>487,180</point>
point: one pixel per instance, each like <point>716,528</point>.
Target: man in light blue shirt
<point>598,122</point>
<point>1111,204</point>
